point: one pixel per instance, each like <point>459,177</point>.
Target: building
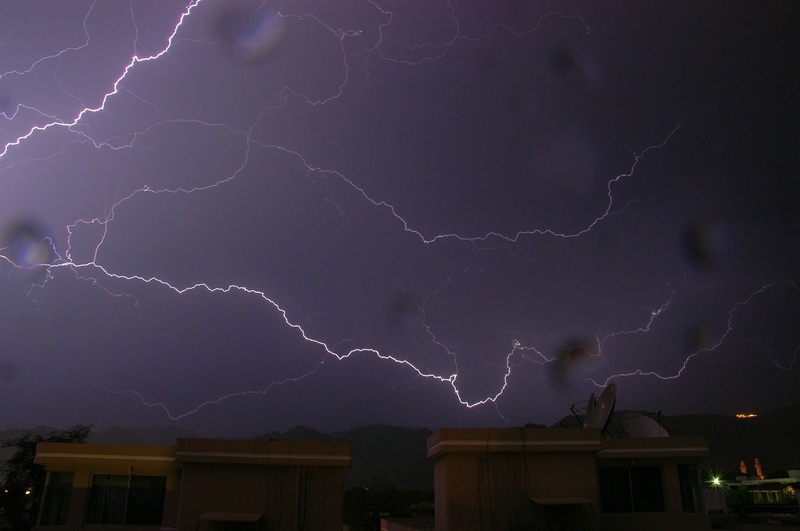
<point>198,484</point>
<point>570,478</point>
<point>773,491</point>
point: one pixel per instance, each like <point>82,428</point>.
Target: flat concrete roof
<point>86,454</point>
<point>263,452</point>
<point>212,451</point>
<point>513,440</point>
<point>632,447</point>
<point>455,440</point>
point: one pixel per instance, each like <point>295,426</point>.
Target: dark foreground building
<point>570,478</point>
<point>198,484</point>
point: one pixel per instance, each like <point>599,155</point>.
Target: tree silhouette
<point>23,481</point>
<point>364,505</point>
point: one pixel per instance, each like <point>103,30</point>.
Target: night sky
<point>237,217</point>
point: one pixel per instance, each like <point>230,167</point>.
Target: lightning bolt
<point>385,49</point>
<point>135,60</point>
<point>723,338</point>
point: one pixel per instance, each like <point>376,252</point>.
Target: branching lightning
<point>721,340</point>
<point>136,59</point>
<point>386,50</point>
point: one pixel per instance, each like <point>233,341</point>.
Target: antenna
<point>640,425</point>
<point>598,415</point>
<point>589,407</point>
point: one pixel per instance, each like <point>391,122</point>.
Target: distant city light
<point>745,415</point>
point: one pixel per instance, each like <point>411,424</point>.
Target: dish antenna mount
<point>599,413</point>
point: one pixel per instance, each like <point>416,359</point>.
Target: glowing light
<point>716,481</point>
<point>746,415</point>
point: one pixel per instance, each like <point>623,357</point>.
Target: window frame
<point>133,505</point>
<point>54,511</point>
<point>690,487</point>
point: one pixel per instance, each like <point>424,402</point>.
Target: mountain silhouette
<point>397,455</point>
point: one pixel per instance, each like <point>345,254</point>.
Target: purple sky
<point>237,217</point>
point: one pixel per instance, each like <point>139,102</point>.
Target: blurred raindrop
<point>569,64</point>
<point>698,337</point>
<point>399,307</point>
<point>563,62</point>
<point>706,242</point>
<point>250,36</point>
<point>27,244</point>
<point>572,358</point>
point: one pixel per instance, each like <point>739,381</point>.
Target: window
<point>126,500</point>
<point>58,492</point>
<point>689,481</point>
<point>146,500</point>
<point>634,489</point>
<point>107,499</point>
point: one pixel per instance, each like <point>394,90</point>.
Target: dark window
<point>128,500</point>
<point>634,489</point>
<point>690,488</point>
<point>107,499</point>
<point>615,490</point>
<point>145,500</point>
<point>648,494</point>
<point>55,506</point>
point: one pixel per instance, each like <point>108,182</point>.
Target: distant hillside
<point>771,437</point>
<point>380,453</point>
<point>165,435</point>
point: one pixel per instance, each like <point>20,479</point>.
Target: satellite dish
<point>589,408</point>
<point>590,405</point>
<point>598,416</point>
<point>639,425</point>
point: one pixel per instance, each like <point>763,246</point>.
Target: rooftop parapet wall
<point>449,440</point>
<point>460,440</point>
<point>99,455</point>
<point>260,452</point>
<point>660,447</point>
